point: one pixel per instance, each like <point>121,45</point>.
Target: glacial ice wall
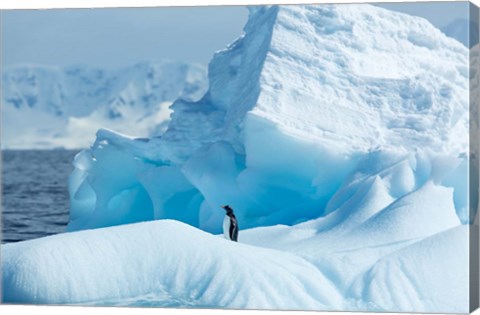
<point>305,101</point>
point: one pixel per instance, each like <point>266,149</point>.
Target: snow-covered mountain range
<point>463,30</point>
<point>339,134</point>
<point>49,107</point>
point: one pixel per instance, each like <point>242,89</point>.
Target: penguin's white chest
<point>226,227</point>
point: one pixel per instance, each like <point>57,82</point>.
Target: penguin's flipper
<point>235,234</point>
<point>233,231</point>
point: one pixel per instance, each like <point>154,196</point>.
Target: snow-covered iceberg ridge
<point>160,270</point>
<point>338,133</point>
<point>168,263</point>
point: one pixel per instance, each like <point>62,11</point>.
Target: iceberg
<point>294,112</point>
<point>340,136</point>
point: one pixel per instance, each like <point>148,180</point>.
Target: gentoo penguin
<point>230,225</point>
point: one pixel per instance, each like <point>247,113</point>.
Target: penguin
<point>230,225</point>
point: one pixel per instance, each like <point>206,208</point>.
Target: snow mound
<point>133,262</point>
<point>139,265</point>
<point>45,107</point>
<point>417,286</point>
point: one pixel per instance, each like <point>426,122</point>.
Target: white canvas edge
<point>80,310</point>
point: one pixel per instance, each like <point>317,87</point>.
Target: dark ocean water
<point>35,199</point>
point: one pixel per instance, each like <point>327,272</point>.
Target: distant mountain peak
<point>56,99</point>
<point>463,30</point>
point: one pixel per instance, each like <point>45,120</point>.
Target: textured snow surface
<point>338,134</point>
<point>168,263</point>
<point>163,267</point>
<point>49,107</point>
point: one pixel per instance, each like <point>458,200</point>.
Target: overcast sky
<point>439,14</point>
<point>119,37</point>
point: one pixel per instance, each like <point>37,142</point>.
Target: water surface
<point>35,199</point>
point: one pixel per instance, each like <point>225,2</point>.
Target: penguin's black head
<point>228,209</point>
